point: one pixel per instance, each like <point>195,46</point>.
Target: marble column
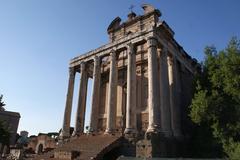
<point>153,87</point>
<point>81,107</point>
<point>65,133</point>
<point>131,91</point>
<point>175,108</point>
<point>164,94</point>
<point>95,95</point>
<point>112,95</point>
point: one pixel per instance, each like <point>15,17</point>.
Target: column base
<point>178,135</point>
<point>63,138</point>
<point>92,131</point>
<point>130,134</point>
<point>167,134</point>
<point>130,131</point>
<point>177,132</point>
<point>109,131</point>
<point>153,129</point>
<point>76,133</point>
<point>63,135</point>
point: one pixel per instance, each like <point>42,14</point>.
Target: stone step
<point>88,147</point>
<point>44,156</point>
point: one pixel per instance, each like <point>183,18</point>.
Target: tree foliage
<point>216,103</point>
<point>2,104</point>
<point>4,133</point>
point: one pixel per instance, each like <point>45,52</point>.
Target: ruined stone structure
<point>11,121</point>
<point>141,86</point>
<point>42,143</point>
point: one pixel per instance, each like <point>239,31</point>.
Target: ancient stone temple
<point>141,90</point>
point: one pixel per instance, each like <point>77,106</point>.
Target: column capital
<point>82,66</point>
<point>152,41</point>
<point>96,60</point>
<point>130,48</point>
<point>113,53</point>
<point>170,59</point>
<point>71,71</point>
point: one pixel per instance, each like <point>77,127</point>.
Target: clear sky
<point>39,37</point>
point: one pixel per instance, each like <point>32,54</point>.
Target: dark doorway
<point>40,149</point>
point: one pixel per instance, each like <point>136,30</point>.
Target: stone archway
<point>40,148</point>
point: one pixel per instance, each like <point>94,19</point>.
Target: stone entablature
<point>141,80</point>
<point>139,38</point>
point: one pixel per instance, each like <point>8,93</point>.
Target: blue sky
<point>39,37</point>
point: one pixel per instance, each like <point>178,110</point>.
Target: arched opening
<point>40,149</point>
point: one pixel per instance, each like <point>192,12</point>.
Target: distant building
<point>23,139</point>
<point>24,134</point>
<point>43,142</point>
<point>11,120</point>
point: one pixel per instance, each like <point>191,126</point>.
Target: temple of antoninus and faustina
<point>141,89</point>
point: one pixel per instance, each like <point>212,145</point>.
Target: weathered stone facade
<point>42,143</point>
<point>141,84</point>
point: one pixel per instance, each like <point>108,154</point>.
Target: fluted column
<point>153,87</point>
<point>164,94</point>
<point>175,108</point>
<point>81,108</point>
<point>95,94</point>
<point>131,92</point>
<point>112,95</point>
<point>65,133</point>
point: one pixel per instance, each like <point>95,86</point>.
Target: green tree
<point>216,102</point>
<point>4,134</point>
<point>2,104</point>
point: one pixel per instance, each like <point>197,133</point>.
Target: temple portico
<point>139,83</point>
<point>161,76</point>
